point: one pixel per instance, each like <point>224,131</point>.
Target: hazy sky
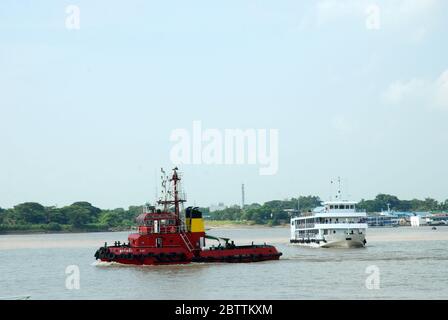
<point>87,114</point>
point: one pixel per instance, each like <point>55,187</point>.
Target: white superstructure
<point>335,224</point>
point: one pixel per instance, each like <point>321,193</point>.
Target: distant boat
<point>16,298</point>
<point>335,225</point>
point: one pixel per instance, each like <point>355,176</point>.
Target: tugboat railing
<point>163,230</point>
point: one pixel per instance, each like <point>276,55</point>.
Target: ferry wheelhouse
<point>335,224</point>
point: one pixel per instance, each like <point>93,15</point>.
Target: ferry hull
<point>344,244</point>
<point>349,241</point>
<point>354,241</point>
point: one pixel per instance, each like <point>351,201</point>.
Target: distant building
<point>383,220</point>
<point>217,207</point>
<point>437,219</point>
<point>398,218</point>
<point>417,221</point>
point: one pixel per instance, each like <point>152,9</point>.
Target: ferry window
<point>334,231</point>
<point>352,206</point>
<point>331,207</point>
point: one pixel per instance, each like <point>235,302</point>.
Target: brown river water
<point>411,263</point>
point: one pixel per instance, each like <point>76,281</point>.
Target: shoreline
<point>31,232</point>
<point>228,224</point>
<point>209,224</point>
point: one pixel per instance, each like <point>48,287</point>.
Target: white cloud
<point>422,92</point>
<point>400,91</point>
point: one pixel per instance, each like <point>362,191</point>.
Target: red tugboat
<point>165,236</point>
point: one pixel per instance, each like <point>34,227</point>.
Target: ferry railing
<point>312,224</point>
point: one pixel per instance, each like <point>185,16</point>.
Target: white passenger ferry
<point>335,224</point>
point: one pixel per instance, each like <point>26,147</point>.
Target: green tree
<point>382,200</point>
<point>94,212</point>
<point>56,215</point>
<point>2,215</point>
<point>31,212</point>
<point>133,212</point>
<point>444,205</point>
<point>306,203</point>
<point>112,218</point>
<point>53,226</point>
<point>78,216</point>
<point>430,204</point>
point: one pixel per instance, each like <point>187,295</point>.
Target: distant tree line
<point>381,202</point>
<point>83,216</point>
<point>79,216</point>
<point>273,212</point>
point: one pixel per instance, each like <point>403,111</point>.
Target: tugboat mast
<point>176,199</point>
<point>175,179</point>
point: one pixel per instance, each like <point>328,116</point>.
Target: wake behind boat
<point>337,224</point>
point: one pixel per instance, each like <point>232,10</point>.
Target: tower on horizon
<point>242,196</point>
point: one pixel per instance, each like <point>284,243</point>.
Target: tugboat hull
<point>243,254</point>
<point>143,256</point>
<point>239,254</point>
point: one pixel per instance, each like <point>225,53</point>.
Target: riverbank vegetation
<point>84,217</point>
